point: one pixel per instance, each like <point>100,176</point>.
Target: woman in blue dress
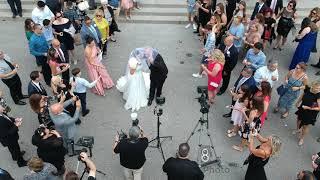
<point>295,80</point>
<point>306,39</point>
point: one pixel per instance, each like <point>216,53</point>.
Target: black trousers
<point>15,151</point>
<point>15,6</point>
<point>46,71</point>
<point>83,100</point>
<point>65,76</point>
<point>225,82</point>
<point>14,85</point>
<point>229,11</point>
<point>156,85</point>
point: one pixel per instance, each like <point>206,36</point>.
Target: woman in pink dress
<point>127,5</point>
<point>214,71</point>
<point>96,69</point>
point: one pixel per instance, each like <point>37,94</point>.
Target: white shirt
<point>82,84</point>
<point>37,84</point>
<point>39,15</point>
<point>265,73</point>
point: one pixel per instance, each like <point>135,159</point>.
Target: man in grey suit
<point>64,123</point>
<point>89,28</point>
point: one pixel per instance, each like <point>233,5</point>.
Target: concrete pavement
<point>181,111</point>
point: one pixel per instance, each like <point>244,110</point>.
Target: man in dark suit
<point>35,87</point>
<point>259,8</point>
<point>158,75</point>
<point>245,78</point>
<point>230,7</point>
<point>9,136</point>
<point>63,57</point>
<point>231,57</point>
<point>275,5</point>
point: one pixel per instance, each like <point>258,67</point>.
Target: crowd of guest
<point>237,36</point>
<point>228,34</point>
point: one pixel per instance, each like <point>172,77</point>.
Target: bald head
<point>55,43</point>
<point>56,108</point>
<point>228,41</point>
<point>184,149</point>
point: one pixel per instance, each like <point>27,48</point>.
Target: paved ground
<point>181,111</point>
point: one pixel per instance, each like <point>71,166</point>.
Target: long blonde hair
<point>275,144</point>
<point>218,56</point>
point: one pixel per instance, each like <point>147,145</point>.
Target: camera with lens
<point>203,90</point>
<point>122,135</point>
<point>160,101</point>
<point>86,141</point>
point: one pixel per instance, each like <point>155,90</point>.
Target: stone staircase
<point>153,11</point>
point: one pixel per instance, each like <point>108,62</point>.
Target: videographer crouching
<point>132,152</point>
<point>71,175</point>
<point>50,147</point>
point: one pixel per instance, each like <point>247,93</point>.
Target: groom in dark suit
<point>35,86</point>
<point>158,75</point>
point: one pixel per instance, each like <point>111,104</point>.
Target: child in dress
<point>242,101</point>
<point>47,31</point>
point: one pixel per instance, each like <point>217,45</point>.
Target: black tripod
<point>158,111</point>
<point>200,128</point>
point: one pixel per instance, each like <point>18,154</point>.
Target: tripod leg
<point>161,151</point>
<point>194,130</point>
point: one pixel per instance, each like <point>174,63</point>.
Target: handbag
<point>282,89</point>
<point>71,31</point>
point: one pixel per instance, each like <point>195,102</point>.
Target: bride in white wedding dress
<point>134,85</point>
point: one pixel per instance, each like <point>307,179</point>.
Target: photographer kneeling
<point>132,152</point>
<point>91,167</point>
<point>50,147</point>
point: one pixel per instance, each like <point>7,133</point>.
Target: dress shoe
<point>22,163</point>
<point>220,93</point>
<point>118,30</point>
<point>25,96</point>
<point>231,122</point>
<point>227,115</point>
<point>318,73</point>
<point>78,122</point>
<point>20,103</point>
<point>149,102</point>
<point>315,65</point>
<point>14,16</point>
<point>20,14</point>
<point>86,112</point>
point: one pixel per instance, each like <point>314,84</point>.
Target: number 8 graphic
<point>205,155</point>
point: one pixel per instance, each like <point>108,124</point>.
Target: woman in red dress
<point>214,71</point>
<point>265,93</point>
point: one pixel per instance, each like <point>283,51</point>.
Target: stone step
<point>153,11</point>
<point>166,20</point>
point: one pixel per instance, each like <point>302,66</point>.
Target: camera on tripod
<point>203,90</point>
<point>160,101</point>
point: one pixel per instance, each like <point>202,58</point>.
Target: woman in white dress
<point>134,85</point>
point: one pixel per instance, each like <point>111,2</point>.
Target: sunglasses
<point>98,16</point>
<point>58,17</point>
